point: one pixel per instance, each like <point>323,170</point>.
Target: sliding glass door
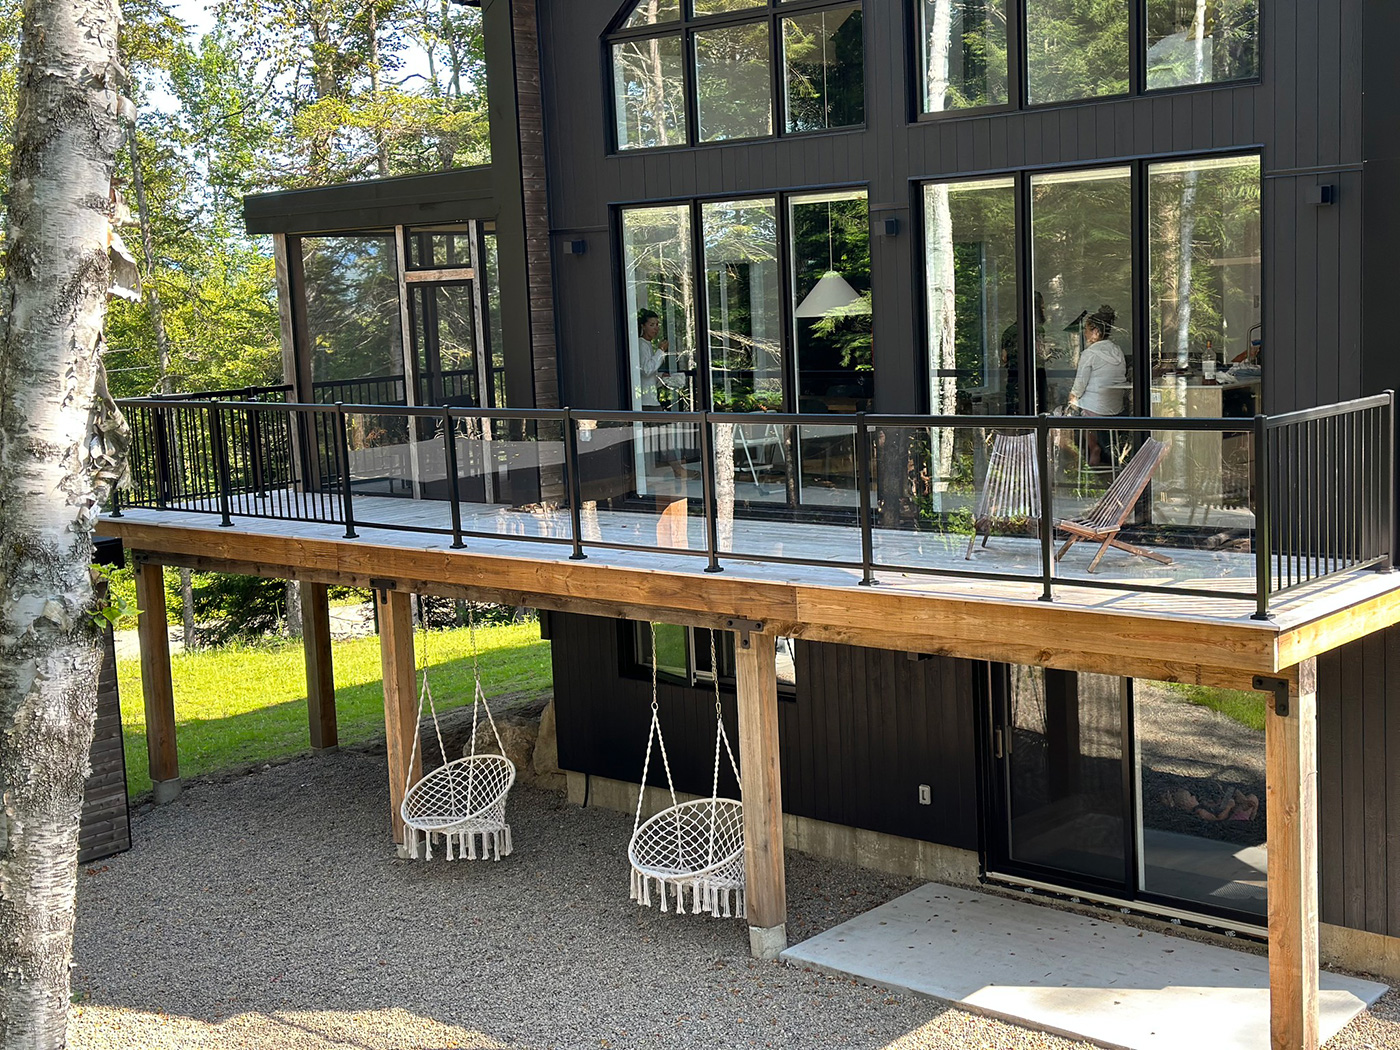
<point>1132,789</point>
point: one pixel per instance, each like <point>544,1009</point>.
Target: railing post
<point>1263,518</point>
<point>449,437</point>
<point>1388,465</point>
<point>572,480</point>
<point>1047,509</point>
<point>219,436</point>
<point>343,454</point>
<point>867,537</point>
<point>164,488</point>
<point>707,493</point>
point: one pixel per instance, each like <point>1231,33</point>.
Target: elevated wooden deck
<point>1152,635</point>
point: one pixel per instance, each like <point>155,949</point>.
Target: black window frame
<point>635,667</point>
<point>1018,73</point>
<point>687,26</point>
<point>1025,309</point>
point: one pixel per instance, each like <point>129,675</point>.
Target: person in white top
<point>1100,384</point>
<point>650,354</point>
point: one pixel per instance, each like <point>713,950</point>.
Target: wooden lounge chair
<point>1011,492</point>
<point>1104,520</point>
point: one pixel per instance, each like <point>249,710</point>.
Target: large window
<point>832,331</point>
<point>1196,343</point>
<point>352,318</point>
<point>706,72</point>
<point>1078,49</point>
<point>649,92</point>
<point>763,335</point>
<point>659,297</point>
<point>1082,271</point>
<point>743,293</point>
<point>973,332</point>
<point>963,54</point>
<point>1201,41</point>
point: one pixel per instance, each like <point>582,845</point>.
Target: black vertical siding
<point>1359,784</point>
<point>867,727</point>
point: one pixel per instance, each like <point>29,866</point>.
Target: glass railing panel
<point>792,494</point>
<point>640,482</point>
<point>1169,506</point>
<point>510,477</point>
<point>956,499</point>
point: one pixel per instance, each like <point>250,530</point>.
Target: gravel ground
<point>267,910</point>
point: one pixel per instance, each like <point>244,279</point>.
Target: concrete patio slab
<point>1068,974</point>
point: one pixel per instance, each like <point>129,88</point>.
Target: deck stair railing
<point>1294,499</point>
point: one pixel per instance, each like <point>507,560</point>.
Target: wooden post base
<point>163,792</point>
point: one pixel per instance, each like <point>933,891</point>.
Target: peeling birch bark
<point>62,445</point>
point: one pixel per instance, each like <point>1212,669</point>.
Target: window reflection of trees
<point>352,308</point>
<point>1201,41</point>
<point>733,83</point>
<point>649,87</point>
<point>1076,49</point>
<point>743,295</point>
<point>964,54</point>
<point>825,74</point>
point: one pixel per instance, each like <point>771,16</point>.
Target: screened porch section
<point>1242,511</point>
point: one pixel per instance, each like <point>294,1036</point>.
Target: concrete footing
<point>768,942</point>
<point>164,792</point>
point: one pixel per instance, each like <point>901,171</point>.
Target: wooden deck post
<point>320,675</point>
<point>765,878</point>
<point>162,757</point>
<point>400,696</point>
<point>1291,782</point>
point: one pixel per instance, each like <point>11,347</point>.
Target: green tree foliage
<point>363,88</point>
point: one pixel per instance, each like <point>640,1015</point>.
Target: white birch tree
<point>62,445</point>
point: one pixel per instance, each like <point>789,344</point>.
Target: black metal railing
<point>1243,509</point>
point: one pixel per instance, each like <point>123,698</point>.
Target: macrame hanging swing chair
<point>695,847</point>
<point>463,800</point>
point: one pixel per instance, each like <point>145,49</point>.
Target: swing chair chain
<point>653,735</point>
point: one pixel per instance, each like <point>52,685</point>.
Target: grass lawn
<point>248,704</point>
<point>1246,708</point>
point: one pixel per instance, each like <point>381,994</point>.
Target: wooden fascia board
<point>1208,652</point>
<point>1338,628</point>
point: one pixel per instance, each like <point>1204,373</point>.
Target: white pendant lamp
<point>832,294</point>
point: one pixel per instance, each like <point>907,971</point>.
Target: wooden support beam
<point>1291,779</point>
<point>400,696</point>
<point>759,765</point>
<point>156,687</point>
<point>320,676</point>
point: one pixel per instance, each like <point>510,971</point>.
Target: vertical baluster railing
<point>573,481</point>
<point>1047,524</point>
<point>1263,499</point>
<point>863,473</point>
<point>707,492</point>
<point>343,454</point>
<point>449,437</point>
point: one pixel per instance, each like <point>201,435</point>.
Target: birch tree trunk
<point>62,445</point>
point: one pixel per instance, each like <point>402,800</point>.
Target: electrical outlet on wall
<point>925,795</point>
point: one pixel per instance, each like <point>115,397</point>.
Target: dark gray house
<point>830,289</point>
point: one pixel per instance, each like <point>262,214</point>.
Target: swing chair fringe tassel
<point>720,899</point>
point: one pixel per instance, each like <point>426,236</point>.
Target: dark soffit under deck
<point>445,196</point>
